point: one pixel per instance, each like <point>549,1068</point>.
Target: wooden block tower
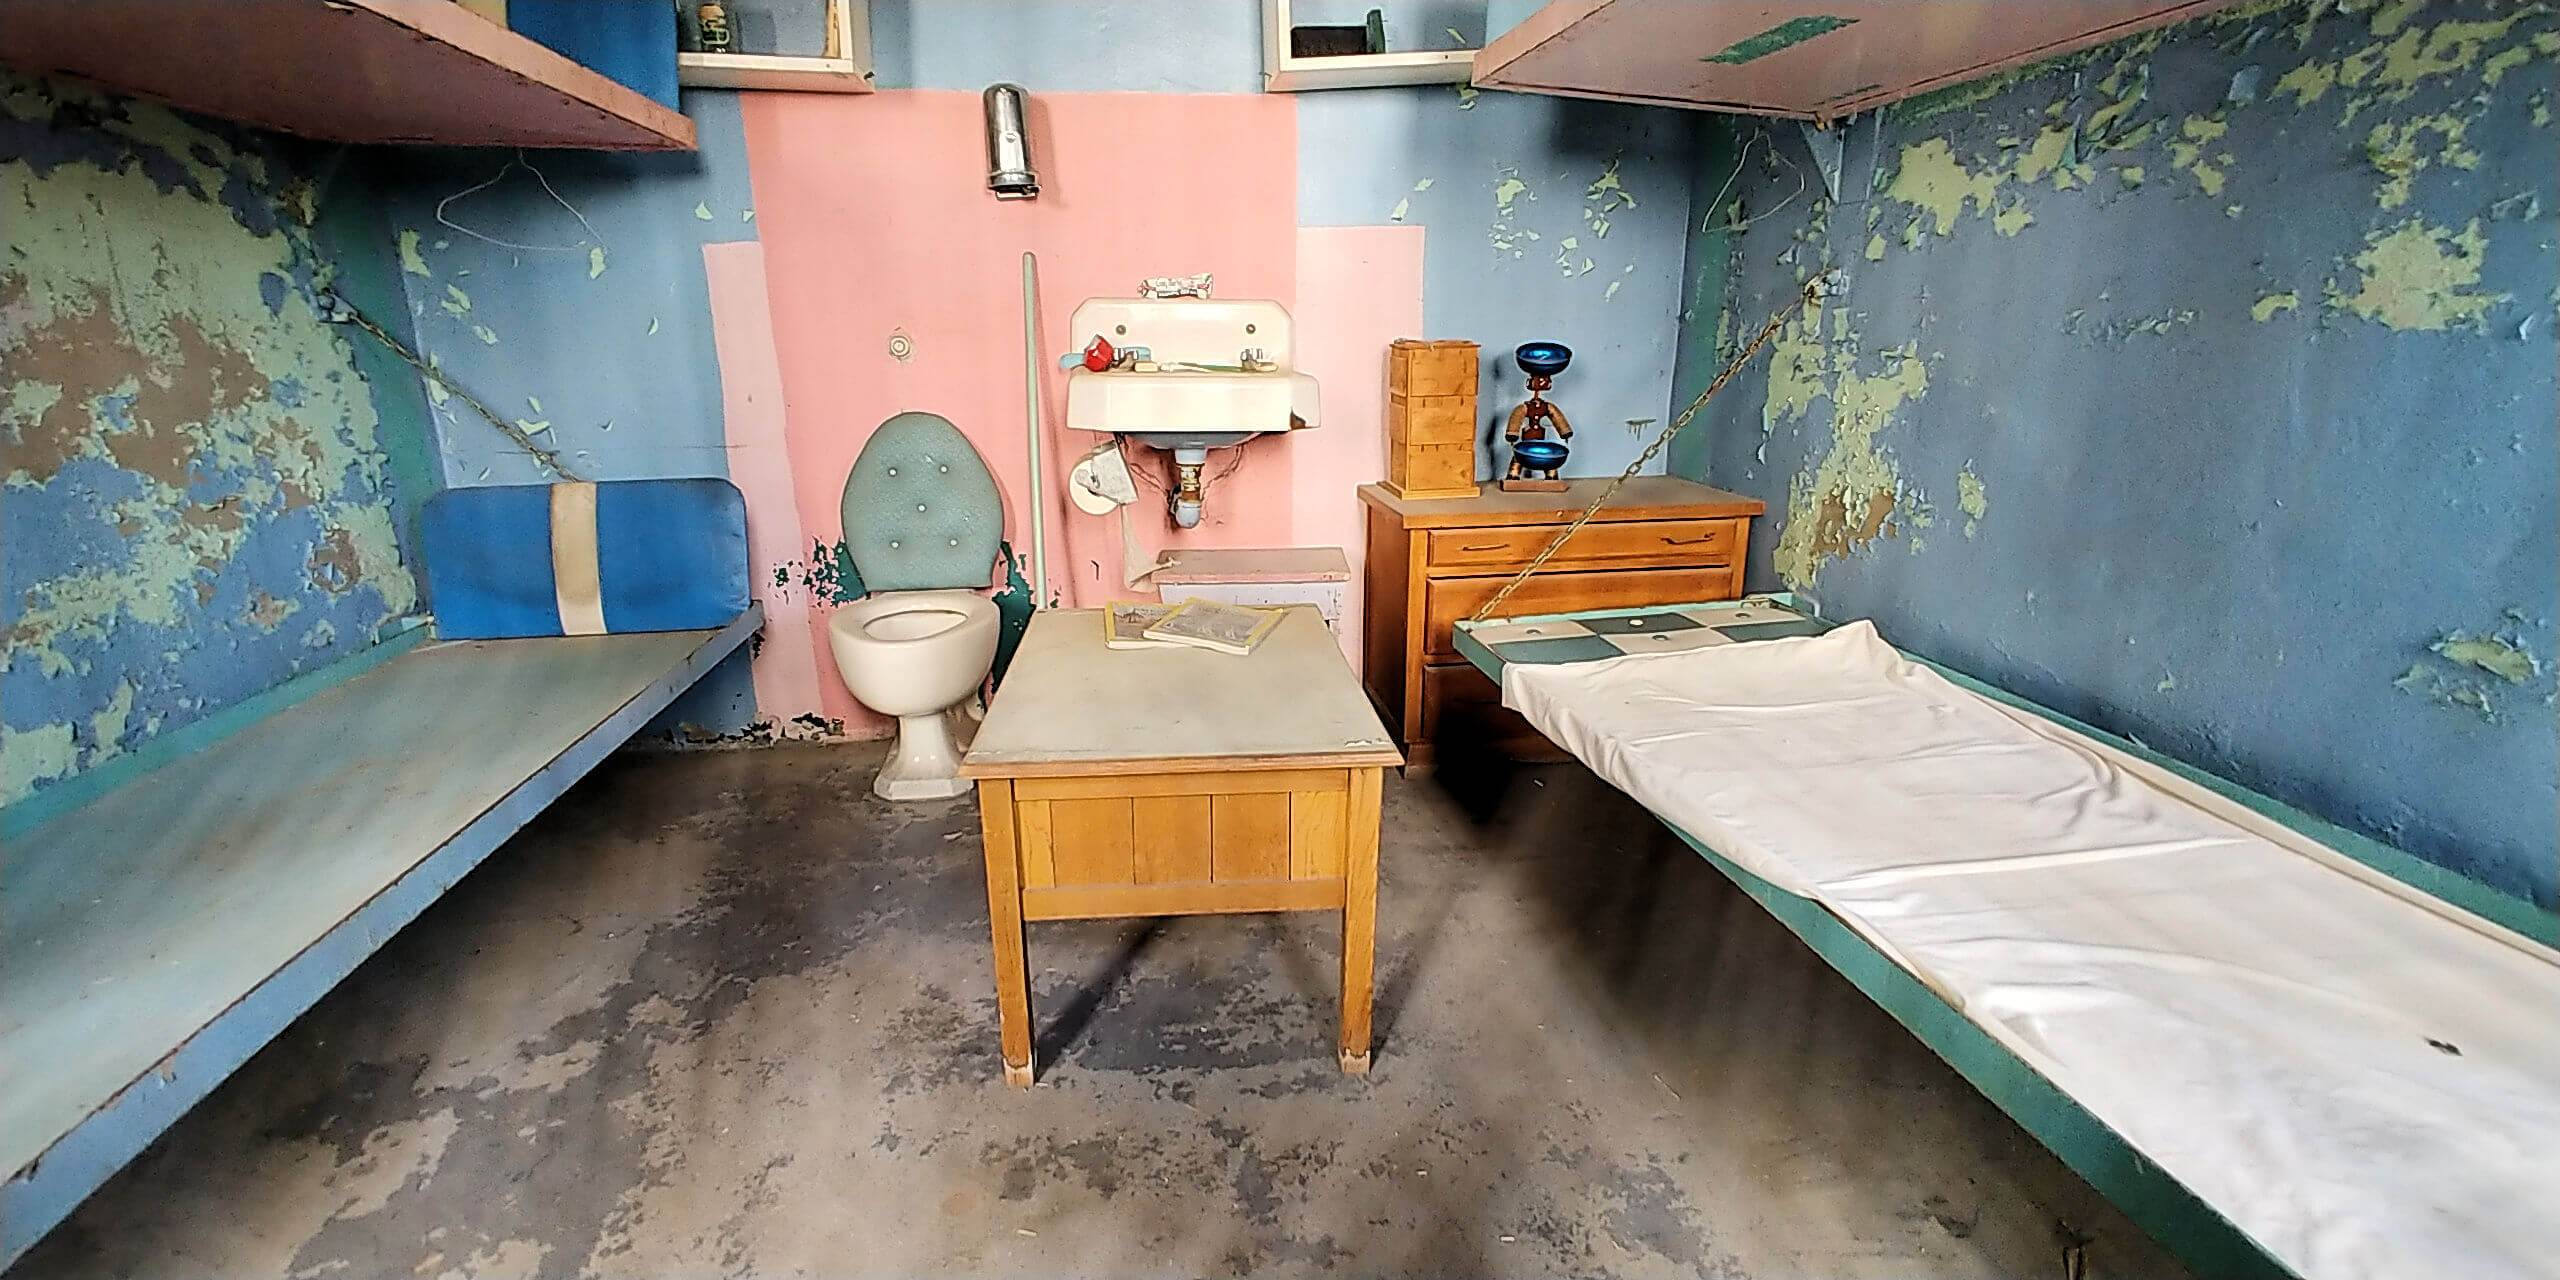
<point>1431,419</point>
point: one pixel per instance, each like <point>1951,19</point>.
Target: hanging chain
<point>343,309</point>
<point>1813,291</point>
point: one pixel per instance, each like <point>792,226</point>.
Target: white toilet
<point>922,524</point>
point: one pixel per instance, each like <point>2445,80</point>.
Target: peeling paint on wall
<point>197,506</point>
<point>828,574</point>
<point>2503,656</point>
<point>1498,188</point>
<point>2193,463</point>
<point>1931,179</point>
<point>2451,692</point>
<point>2416,276</point>
<point>1849,498</point>
<point>573,280</point>
<point>1508,191</point>
<point>2265,308</point>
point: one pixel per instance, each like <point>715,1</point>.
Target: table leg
<point>1359,917</point>
<point>1004,919</point>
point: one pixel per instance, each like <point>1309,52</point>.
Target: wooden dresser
<point>1433,561</point>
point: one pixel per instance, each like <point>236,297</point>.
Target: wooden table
<point>1178,781</point>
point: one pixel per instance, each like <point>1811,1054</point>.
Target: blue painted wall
<point>2201,388</point>
<point>565,290</point>
<point>583,319</point>
<point>196,498</point>
<point>1543,218</point>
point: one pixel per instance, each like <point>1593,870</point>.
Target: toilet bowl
<point>917,655</point>
<point>922,525</point>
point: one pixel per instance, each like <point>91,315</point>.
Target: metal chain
<point>1813,291</point>
<point>547,457</point>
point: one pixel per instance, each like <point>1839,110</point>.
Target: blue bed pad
<point>671,554</point>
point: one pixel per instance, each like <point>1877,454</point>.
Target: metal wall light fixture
<point>1009,171</point>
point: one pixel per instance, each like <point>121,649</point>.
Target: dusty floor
<point>730,1015</point>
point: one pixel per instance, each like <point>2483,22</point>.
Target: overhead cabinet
<point>417,71</point>
<point>1806,59</point>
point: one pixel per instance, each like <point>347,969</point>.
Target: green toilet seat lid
<point>921,512</point>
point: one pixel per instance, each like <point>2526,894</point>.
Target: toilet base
<point>925,763</point>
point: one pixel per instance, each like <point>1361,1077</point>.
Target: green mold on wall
<point>2187,154</point>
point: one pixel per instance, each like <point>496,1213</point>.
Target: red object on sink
<point>1098,354</point>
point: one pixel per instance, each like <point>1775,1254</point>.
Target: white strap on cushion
<point>577,583</point>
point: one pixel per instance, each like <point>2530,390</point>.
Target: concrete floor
<point>727,1014</point>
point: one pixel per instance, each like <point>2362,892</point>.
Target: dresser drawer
<point>1446,600</point>
<point>1613,545</point>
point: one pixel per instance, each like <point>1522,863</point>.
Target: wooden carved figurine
<point>1535,459</point>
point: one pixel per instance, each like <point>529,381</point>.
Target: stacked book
<point>1197,624</point>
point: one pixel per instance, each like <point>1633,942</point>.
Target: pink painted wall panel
<point>875,218</point>
<point>788,667</point>
<point>1359,288</point>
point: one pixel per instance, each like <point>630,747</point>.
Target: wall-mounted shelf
<point>1285,73</point>
<point>414,71</point>
<point>1806,59</point>
<point>845,66</point>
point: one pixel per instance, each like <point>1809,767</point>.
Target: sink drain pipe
<point>1189,489</point>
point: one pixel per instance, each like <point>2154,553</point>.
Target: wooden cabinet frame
<point>844,68</point>
<point>1175,844</point>
<point>1282,73</point>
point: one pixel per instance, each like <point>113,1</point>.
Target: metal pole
<point>1038,498</point>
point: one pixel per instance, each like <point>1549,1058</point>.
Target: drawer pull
<point>1688,542</point>
<point>1490,546</point>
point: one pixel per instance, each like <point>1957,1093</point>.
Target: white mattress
<point>2364,1080</point>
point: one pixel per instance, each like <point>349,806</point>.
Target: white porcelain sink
<point>1188,409</point>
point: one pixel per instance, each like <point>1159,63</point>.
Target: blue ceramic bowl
<point>1539,453</point>
<point>1547,358</point>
